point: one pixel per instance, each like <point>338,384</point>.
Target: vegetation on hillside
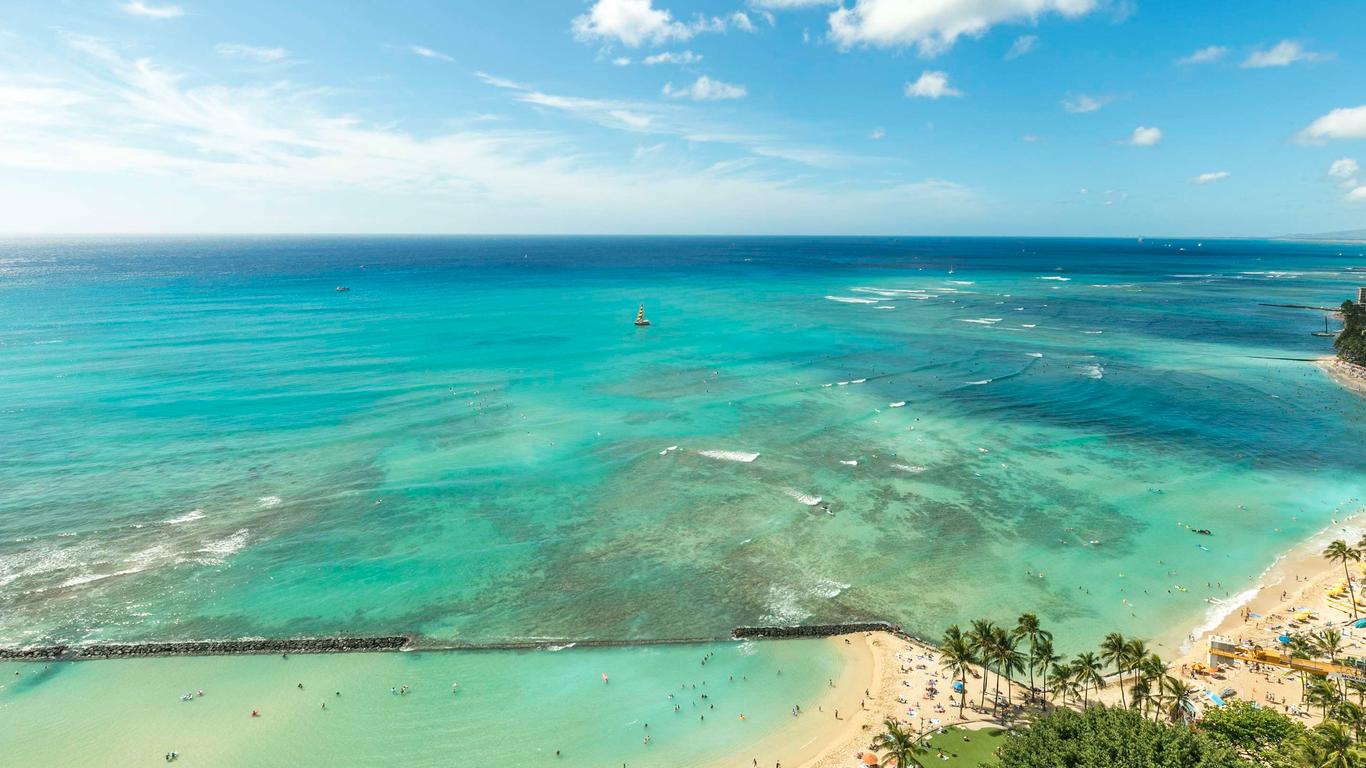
<point>1351,343</point>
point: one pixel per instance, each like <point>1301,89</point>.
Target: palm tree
<point>1113,651</point>
<point>1135,651</point>
<point>1322,693</point>
<point>1339,552</point>
<point>1329,642</point>
<point>1061,680</point>
<point>1008,660</point>
<point>1331,747</point>
<point>1141,694</point>
<point>1027,627</point>
<point>1089,672</point>
<point>1179,698</point>
<point>1042,658</point>
<point>900,746</point>
<point>1152,669</point>
<point>980,639</point>
<point>956,655</point>
<point>1359,688</point>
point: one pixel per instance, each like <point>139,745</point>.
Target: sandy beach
<point>1352,377</point>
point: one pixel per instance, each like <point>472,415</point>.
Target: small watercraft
<point>641,322</point>
<point>1203,531</point>
<point>341,289</point>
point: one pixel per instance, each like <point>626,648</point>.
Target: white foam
<point>804,498</point>
<point>1093,333</point>
<point>858,381</point>
<point>1056,277</point>
<point>852,300</point>
<point>900,404</point>
<point>188,517</point>
<point>961,282</point>
<point>1034,354</point>
<point>884,307</point>
<point>1029,325</point>
<point>912,468</point>
<point>1093,371</point>
<point>220,550</point>
<point>741,456</point>
<point>983,320</point>
<point>1216,614</point>
<point>266,502</point>
<point>979,383</point>
<point>849,462</point>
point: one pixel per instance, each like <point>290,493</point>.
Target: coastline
<point>1349,376</point>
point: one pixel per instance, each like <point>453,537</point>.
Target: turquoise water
<point>202,438</point>
<point>511,709</point>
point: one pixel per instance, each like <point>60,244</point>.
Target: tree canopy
<point>1351,343</point>
<point>1105,737</point>
<point>1258,735</point>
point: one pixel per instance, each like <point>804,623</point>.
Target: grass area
<point>978,750</point>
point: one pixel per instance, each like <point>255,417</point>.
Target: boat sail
<point>640,317</point>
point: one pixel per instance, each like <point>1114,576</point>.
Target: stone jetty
<point>208,648</point>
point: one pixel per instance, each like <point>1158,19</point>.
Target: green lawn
<point>964,754</point>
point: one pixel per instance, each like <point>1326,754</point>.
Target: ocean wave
<point>188,517</point>
<point>1034,354</point>
<point>1216,613</point>
<point>849,462</point>
<point>982,320</point>
<point>1093,371</point>
<point>1029,325</point>
<point>219,551</point>
<point>741,456</point>
<point>266,502</point>
<point>787,604</point>
<point>1056,277</point>
<point>852,300</point>
<point>883,306</point>
<point>900,404</point>
<point>1093,333</point>
<point>889,291</point>
<point>961,282</point>
<point>803,498</point>
<point>980,383</point>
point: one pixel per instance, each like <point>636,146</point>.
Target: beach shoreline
<point>1349,376</point>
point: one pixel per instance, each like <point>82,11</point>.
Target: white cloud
<point>1357,195</point>
<point>1209,178</point>
<point>1145,137</point>
<point>1081,103</point>
<point>252,52</point>
<point>428,53</point>
<point>637,22</point>
<point>705,89</point>
<point>1030,138</point>
<point>246,158</point>
<point>1345,170</point>
<point>621,61</point>
<point>1342,123</point>
<point>140,8</point>
<point>631,22</point>
<point>931,85</point>
<point>740,20</point>
<point>1022,45</point>
<point>681,58</point>
<point>933,27</point>
<point>1282,54</point>
<point>785,5</point>
<point>1204,55</point>
<point>877,133</point>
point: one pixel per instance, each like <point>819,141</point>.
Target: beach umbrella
<point>1284,639</point>
<point>958,684</point>
<point>870,759</point>
<point>1360,624</point>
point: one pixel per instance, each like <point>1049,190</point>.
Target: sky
<point>909,117</point>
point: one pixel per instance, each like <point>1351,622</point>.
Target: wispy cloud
<point>1282,54</point>
<point>705,89</point>
<point>1209,178</point>
<point>634,23</point>
<point>682,58</point>
<point>1344,170</point>
<point>1022,45</point>
<point>1082,104</point>
<point>931,85</point>
<point>260,54</point>
<point>1204,55</point>
<point>140,8</point>
<point>428,53</point>
<point>877,134</point>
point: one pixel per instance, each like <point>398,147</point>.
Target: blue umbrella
<point>1284,639</point>
<point>958,686</point>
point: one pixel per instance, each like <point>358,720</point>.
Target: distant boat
<point>640,317</point>
<point>342,289</point>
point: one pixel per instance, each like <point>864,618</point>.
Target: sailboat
<point>640,317</point>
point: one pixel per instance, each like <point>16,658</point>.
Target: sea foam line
<point>742,456</point>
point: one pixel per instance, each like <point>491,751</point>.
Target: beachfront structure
<point>1225,650</point>
<point>1361,295</point>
